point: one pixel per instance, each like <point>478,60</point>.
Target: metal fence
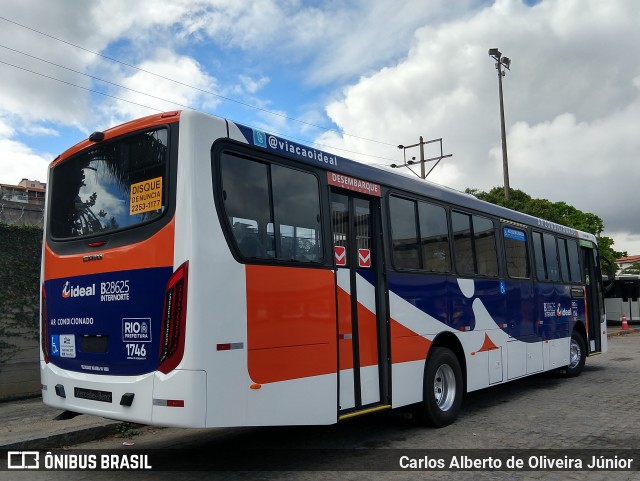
<point>15,213</point>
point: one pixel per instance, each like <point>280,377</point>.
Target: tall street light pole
<point>500,63</point>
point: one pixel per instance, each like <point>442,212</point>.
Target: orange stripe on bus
<point>345,328</point>
<point>157,251</point>
<point>406,345</point>
<point>367,336</point>
<point>291,330</point>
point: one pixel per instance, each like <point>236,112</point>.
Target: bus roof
<point>388,178</point>
<point>372,173</point>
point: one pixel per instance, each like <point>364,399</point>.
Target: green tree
<point>558,212</point>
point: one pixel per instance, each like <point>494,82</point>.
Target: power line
<point>158,98</point>
<point>78,86</point>
<point>94,78</point>
<point>293,119</point>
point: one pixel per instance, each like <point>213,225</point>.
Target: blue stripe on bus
<point>107,323</point>
<point>525,312</point>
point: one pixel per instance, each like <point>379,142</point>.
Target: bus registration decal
<point>67,345</point>
<point>145,196</point>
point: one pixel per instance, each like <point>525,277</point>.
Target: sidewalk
<point>30,424</point>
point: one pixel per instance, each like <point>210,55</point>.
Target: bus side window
<point>538,256</point>
<point>246,201</point>
<point>296,207</point>
<point>404,233</point>
<point>574,263</point>
<point>551,257</point>
<point>434,237</point>
<point>273,211</point>
<point>515,245</point>
<point>564,260</point>
<point>474,245</point>
<point>545,252</point>
<point>485,243</point>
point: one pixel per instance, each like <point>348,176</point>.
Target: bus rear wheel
<point>442,391</point>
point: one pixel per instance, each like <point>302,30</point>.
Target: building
<point>23,204</point>
<point>26,192</point>
<point>626,262</point>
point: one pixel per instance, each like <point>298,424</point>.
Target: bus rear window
<point>113,186</point>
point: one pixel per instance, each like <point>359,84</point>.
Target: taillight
<point>174,320</point>
<point>44,328</point>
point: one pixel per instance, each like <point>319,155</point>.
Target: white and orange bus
<point>197,272</point>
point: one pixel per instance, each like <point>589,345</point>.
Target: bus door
<point>594,302</point>
<point>362,351</point>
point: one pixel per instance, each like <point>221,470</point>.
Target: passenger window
<point>563,256</point>
<point>485,243</point>
<point>551,257</point>
<point>574,264</point>
<point>515,245</point>
<point>296,207</point>
<point>434,237</point>
<point>474,241</point>
<point>541,272</point>
<point>248,215</point>
<point>273,211</point>
<point>420,235</point>
<point>462,243</point>
<point>404,233</point>
<point>545,252</point>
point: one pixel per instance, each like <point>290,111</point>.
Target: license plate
<point>92,395</point>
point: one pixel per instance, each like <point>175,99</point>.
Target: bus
<point>200,273</point>
<point>622,298</point>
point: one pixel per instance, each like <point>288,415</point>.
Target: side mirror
<point>611,275</point>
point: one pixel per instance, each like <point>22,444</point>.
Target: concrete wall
<point>17,213</point>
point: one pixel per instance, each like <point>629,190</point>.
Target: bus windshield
<point>113,186</point>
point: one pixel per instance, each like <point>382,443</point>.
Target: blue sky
<point>364,69</point>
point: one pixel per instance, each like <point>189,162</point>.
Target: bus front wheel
<point>442,391</point>
<point>577,355</point>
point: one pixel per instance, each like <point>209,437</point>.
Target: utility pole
<point>500,63</point>
<point>422,161</point>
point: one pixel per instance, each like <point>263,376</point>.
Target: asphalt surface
<point>30,424</point>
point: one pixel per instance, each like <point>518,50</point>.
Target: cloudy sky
<point>358,75</point>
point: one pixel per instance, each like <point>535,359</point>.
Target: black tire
<point>442,389</point>
<point>577,355</point>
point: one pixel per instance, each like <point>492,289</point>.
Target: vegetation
<point>20,251</point>
<point>558,212</point>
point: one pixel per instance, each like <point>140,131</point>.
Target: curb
<point>68,438</point>
<point>31,424</point>
<point>623,333</point>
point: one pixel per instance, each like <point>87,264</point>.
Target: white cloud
<point>571,100</point>
<point>18,161</point>
<point>401,70</point>
<point>251,85</point>
<point>148,93</point>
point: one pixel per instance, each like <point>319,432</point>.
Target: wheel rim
<point>444,387</point>
<point>575,354</point>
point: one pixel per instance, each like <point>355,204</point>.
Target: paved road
<point>597,410</point>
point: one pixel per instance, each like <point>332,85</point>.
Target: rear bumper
<point>175,399</point>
